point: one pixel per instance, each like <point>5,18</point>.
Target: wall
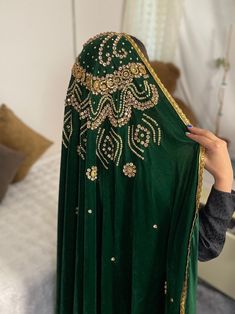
<point>37,54</point>
<point>203,40</point>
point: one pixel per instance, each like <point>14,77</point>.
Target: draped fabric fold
<point>130,184</point>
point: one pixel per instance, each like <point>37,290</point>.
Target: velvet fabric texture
<point>129,192</point>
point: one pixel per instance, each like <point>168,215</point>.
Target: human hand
<point>217,159</point>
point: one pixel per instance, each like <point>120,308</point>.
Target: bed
<point>28,241</point>
<point>28,222</point>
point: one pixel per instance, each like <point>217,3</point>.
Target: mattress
<point>28,223</point>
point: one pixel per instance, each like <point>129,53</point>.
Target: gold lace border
<point>201,165</point>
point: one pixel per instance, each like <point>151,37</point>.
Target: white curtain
<point>156,23</point>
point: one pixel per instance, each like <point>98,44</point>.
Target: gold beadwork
<point>67,128</point>
<point>129,169</point>
<point>199,189</point>
<point>110,82</point>
<point>81,148</point>
<point>108,147</point>
<point>165,287</point>
<point>152,123</point>
<point>132,145</point>
<point>106,107</point>
<point>119,54</point>
<point>91,173</point>
<point>158,81</point>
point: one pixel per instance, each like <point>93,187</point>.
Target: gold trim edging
<point>201,165</point>
<point>157,79</point>
<point>198,196</point>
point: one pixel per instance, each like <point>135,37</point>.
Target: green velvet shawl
<point>129,191</point>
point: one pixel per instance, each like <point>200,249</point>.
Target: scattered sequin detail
<point>91,173</point>
<point>129,169</point>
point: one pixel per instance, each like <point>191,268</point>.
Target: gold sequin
<point>129,169</point>
<point>91,173</point>
<point>110,82</point>
<point>108,147</point>
<point>165,287</point>
<point>67,128</point>
<point>122,53</point>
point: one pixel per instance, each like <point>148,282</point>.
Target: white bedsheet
<point>28,222</point>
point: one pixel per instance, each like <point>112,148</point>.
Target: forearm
<point>214,219</point>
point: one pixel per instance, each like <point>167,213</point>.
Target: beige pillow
<point>10,160</point>
<point>15,134</point>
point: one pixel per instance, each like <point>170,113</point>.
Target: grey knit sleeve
<point>214,219</point>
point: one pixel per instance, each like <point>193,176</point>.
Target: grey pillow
<point>10,160</point>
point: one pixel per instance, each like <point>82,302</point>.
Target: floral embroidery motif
<point>110,82</point>
<point>142,135</point>
<point>129,169</point>
<point>91,173</point>
<point>67,128</point>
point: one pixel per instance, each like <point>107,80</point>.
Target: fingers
<point>211,144</point>
<point>203,132</point>
<point>201,139</point>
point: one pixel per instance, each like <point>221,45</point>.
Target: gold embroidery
<point>129,169</point>
<point>67,128</point>
<point>91,173</point>
<point>81,148</point>
<point>158,81</point>
<point>117,138</point>
<point>71,100</point>
<point>152,128</point>
<point>106,107</point>
<point>96,37</point>
<point>142,135</point>
<point>121,54</point>
<point>110,82</point>
<point>132,144</point>
<point>109,147</point>
<point>198,195</point>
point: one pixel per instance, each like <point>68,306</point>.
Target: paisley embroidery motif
<point>109,147</point>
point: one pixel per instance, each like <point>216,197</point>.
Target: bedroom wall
<point>37,54</point>
<point>202,40</point>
